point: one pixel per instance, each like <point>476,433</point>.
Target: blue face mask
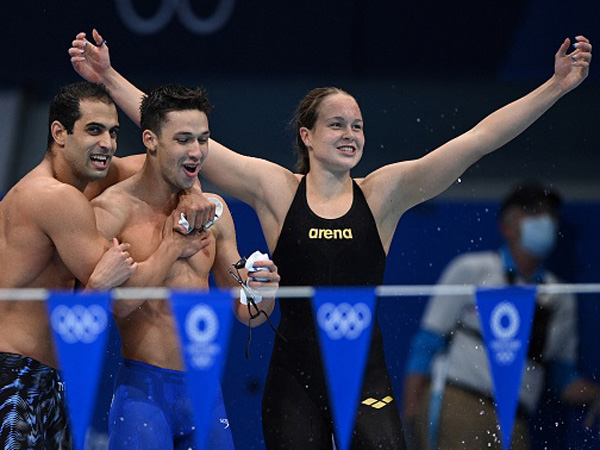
<point>538,235</point>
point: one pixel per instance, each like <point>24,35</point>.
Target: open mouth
<point>100,161</point>
<point>347,149</point>
<point>191,170</point>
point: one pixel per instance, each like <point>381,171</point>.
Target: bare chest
<point>146,233</point>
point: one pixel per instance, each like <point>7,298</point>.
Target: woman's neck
<point>329,196</point>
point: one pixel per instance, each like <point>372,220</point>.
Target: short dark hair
<point>306,116</point>
<point>531,197</point>
<point>65,106</point>
<point>170,97</point>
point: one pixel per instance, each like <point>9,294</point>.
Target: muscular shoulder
<point>48,198</point>
<point>35,187</point>
<point>115,196</point>
<point>48,212</point>
<point>38,208</point>
<point>114,206</point>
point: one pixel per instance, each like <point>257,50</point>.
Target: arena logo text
<point>328,233</point>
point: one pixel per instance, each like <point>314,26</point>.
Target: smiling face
<point>337,139</point>
<point>90,147</point>
<point>182,146</point>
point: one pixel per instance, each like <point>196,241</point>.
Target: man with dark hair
<point>49,239</point>
<point>448,356</point>
<point>150,409</point>
<point>167,98</point>
<point>65,106</point>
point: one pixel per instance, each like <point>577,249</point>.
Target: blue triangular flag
<point>506,316</point>
<point>79,323</point>
<point>344,319</point>
<point>204,324</point>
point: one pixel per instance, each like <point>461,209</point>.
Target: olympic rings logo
<point>344,320</point>
<point>504,323</point>
<point>507,311</point>
<point>167,9</point>
<point>79,323</point>
<point>201,324</point>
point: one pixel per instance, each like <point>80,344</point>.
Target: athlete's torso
<point>149,333</point>
<point>28,259</point>
<point>313,251</point>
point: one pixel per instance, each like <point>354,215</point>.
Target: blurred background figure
<point>448,389</point>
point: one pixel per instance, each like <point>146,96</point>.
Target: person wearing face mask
<point>448,389</point>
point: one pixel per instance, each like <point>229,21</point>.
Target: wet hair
<point>167,98</point>
<point>306,116</point>
<point>531,197</point>
<point>65,106</point>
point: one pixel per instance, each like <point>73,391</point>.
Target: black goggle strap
<point>251,304</point>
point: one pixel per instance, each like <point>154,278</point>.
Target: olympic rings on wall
<point>190,20</point>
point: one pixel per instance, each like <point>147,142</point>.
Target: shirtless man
<point>176,135</point>
<point>49,239</point>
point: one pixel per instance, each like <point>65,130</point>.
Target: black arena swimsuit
<point>312,251</point>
